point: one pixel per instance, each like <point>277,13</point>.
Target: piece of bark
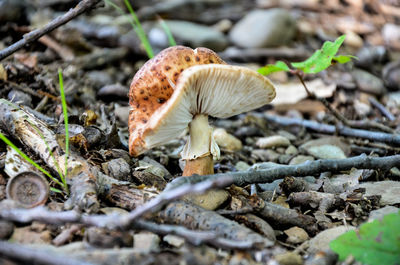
<point>128,198</point>
<point>277,215</point>
<point>323,201</point>
<point>82,176</point>
<point>195,217</point>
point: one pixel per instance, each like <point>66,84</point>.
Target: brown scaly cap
<point>155,82</point>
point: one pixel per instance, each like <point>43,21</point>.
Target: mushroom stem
<point>200,148</point>
<point>200,166</point>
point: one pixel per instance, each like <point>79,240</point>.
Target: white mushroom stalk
<point>200,143</point>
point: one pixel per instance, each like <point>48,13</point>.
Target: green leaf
<point>375,243</point>
<point>272,68</point>
<point>322,58</point>
<point>343,58</point>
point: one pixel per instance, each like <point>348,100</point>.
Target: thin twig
<point>31,255</point>
<point>55,23</point>
<point>382,109</point>
<point>388,138</point>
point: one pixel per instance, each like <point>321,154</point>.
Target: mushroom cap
<point>155,82</point>
<point>216,90</point>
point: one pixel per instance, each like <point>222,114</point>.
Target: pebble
<point>260,226</point>
<point>291,150</point>
<point>264,28</point>
<point>242,166</point>
<point>289,258</point>
<point>103,238</point>
<point>114,90</point>
<point>362,109</point>
<point>265,155</point>
<point>391,34</point>
<point>353,39</point>
<point>380,213</point>
<point>369,55</point>
<point>118,169</point>
<point>193,34</point>
<point>389,190</point>
<point>300,159</point>
<point>20,97</point>
<point>326,148</point>
<point>368,82</point>
<point>391,75</point>
<point>296,235</point>
<point>394,99</point>
<point>12,10</point>
<point>122,113</point>
<point>146,242</point>
<point>99,79</point>
<point>25,235</point>
<point>173,240</point>
<point>210,200</point>
<point>321,241</point>
<point>273,141</point>
<point>226,140</point>
<point>6,229</point>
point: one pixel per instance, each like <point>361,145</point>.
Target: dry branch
<point>32,36</point>
<point>36,256</point>
<point>308,168</point>
<point>388,138</point>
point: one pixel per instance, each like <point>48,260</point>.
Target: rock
<point>368,82</point>
<point>273,141</point>
<point>20,97</point>
<point>6,229</point>
<point>192,34</point>
<point>226,140</point>
<point>242,166</point>
<point>391,34</point>
<point>369,55</point>
<point>12,11</point>
<point>118,169</point>
<point>326,148</point>
<point>321,241</point>
<point>378,214</point>
<point>362,109</point>
<point>391,75</point>
<point>210,200</point>
<point>25,235</point>
<point>300,159</point>
<point>296,235</point>
<point>122,113</point>
<point>99,79</point>
<point>394,99</point>
<point>145,242</point>
<point>389,190</point>
<point>173,240</point>
<point>291,150</point>
<point>353,39</point>
<point>103,238</point>
<point>265,155</point>
<point>289,258</point>
<point>109,92</point>
<point>264,28</point>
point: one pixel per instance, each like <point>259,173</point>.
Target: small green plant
<point>375,243</point>
<point>319,61</point>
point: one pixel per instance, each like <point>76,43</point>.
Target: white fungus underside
<point>217,90</point>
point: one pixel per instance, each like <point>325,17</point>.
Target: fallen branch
<point>30,255</point>
<point>381,108</point>
<point>55,23</point>
<point>308,168</point>
<point>393,139</point>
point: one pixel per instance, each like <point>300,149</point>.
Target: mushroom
<point>180,88</point>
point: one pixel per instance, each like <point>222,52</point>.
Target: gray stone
<point>192,34</point>
<point>291,150</point>
<point>321,241</point>
<point>264,28</point>
<point>394,99</point>
<point>326,148</point>
<point>300,159</point>
<point>146,242</point>
<point>242,166</point>
<point>175,241</point>
<point>391,75</point>
<point>265,155</point>
<point>368,82</point>
<point>389,190</point>
<point>118,169</point>
<point>296,235</point>
<point>273,141</point>
<point>380,213</point>
<point>20,97</point>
